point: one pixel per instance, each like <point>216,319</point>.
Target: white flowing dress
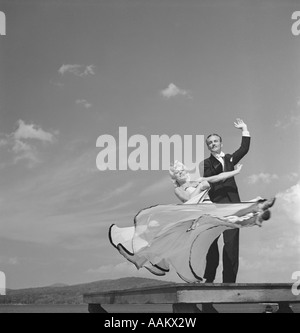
<point>180,235</point>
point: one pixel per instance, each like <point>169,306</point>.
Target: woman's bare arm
<point>184,196</point>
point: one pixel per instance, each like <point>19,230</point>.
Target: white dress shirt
<point>220,158</point>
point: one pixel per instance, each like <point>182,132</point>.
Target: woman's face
<point>182,176</point>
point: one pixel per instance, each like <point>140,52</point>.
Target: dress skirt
<point>179,235</point>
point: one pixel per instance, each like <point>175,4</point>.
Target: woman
<point>188,191</point>
<point>180,235</point>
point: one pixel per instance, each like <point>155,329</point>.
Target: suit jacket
<point>225,190</point>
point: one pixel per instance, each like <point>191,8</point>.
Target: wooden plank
<point>259,295</point>
<point>238,293</point>
<point>134,296</point>
<point>198,293</point>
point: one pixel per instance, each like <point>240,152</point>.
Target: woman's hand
<point>200,180</point>
<point>238,167</point>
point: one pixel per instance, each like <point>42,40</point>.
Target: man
<point>224,192</point>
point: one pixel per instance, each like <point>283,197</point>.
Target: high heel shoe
<point>267,204</point>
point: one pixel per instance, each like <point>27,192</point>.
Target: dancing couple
<point>185,236</point>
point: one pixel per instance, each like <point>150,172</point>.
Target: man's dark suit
<point>224,192</point>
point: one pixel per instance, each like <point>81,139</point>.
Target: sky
<point>73,71</point>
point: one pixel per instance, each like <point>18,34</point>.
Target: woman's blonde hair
<point>174,170</point>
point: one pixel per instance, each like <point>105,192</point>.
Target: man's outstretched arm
<point>245,145</point>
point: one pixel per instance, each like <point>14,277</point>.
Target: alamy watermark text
<point>2,283</point>
<point>2,24</point>
<point>296,25</point>
<point>139,153</point>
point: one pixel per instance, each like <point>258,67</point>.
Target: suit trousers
<point>230,257</point>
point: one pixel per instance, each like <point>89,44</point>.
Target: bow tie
<point>219,155</point>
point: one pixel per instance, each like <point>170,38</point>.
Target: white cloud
<point>23,143</point>
<point>78,70</point>
<point>264,177</point>
<point>290,203</point>
<point>31,131</point>
<point>292,176</point>
<point>69,68</point>
<point>173,91</point>
<point>89,70</point>
<point>24,151</point>
<point>84,102</point>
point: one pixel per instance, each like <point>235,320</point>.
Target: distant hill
<point>59,285</point>
<point>64,294</point>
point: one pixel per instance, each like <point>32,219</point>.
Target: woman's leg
<point>259,206</point>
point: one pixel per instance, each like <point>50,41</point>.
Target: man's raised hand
<point>240,124</point>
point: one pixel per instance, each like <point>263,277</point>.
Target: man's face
<point>214,144</point>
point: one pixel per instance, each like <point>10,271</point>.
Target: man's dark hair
<point>213,135</point>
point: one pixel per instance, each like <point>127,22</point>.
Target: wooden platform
<point>184,297</point>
